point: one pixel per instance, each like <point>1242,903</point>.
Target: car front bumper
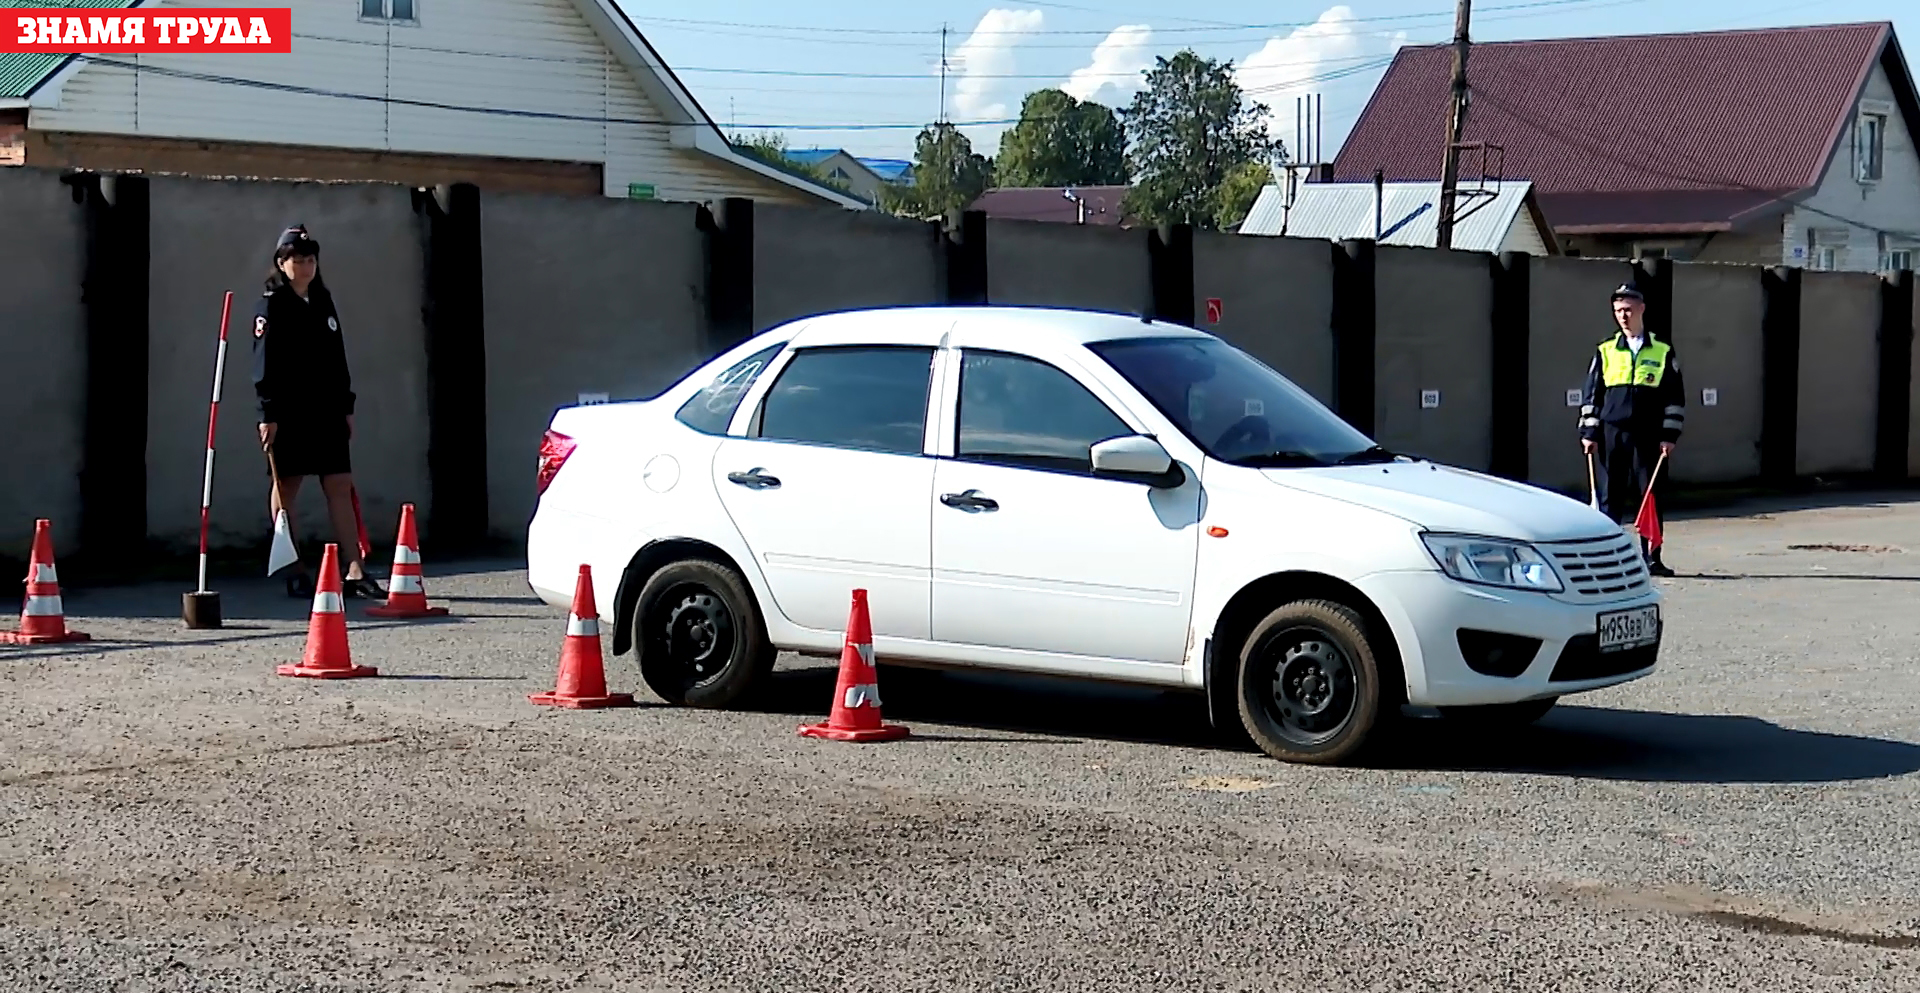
<point>1427,610</point>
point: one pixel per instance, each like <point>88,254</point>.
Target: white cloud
<point>988,53</point>
<point>1114,74</point>
<point>1288,67</point>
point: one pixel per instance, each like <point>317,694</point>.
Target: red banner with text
<point>90,30</point>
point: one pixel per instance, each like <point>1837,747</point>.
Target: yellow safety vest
<point>1619,366</point>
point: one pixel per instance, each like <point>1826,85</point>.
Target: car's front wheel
<point>1309,684</point>
<point>699,633</point>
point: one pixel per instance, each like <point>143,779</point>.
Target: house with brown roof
<point>1098,205</point>
<point>1789,146</point>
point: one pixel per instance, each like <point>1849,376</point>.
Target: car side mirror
<point>1136,456</point>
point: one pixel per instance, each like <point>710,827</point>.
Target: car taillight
<point>554,449</point>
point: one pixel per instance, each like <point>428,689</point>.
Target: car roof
<point>1043,326</point>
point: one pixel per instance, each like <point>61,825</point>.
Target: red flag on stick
<point>1647,522</point>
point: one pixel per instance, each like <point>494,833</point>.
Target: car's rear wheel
<point>1309,685</point>
<point>1501,715</point>
<point>700,636</point>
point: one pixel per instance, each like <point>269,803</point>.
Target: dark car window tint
<point>858,397</point>
<point>710,410</point>
<point>1023,411</point>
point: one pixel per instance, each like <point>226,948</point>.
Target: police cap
<point>1627,291</point>
<point>295,241</point>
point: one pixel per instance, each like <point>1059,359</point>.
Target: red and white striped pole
<point>213,421</point>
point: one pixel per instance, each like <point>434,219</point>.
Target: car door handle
<point>970,500</point>
<point>755,478</point>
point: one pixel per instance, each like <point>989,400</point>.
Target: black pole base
<point>201,611</point>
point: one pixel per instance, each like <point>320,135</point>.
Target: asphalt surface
<point>173,816</point>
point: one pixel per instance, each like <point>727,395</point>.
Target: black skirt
<point>312,448</point>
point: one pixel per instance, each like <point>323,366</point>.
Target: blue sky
<point>813,70</point>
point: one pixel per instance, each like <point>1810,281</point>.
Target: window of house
<point>866,397</point>
<point>1020,411</point>
<point>1897,259</point>
<point>389,10</point>
<point>1870,144</point>
<point>1826,250</point>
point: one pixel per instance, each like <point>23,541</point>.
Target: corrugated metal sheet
<point>525,55</point>
<point>1409,214</point>
<point>1650,113</point>
<point>21,72</point>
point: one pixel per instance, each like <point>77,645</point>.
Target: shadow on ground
<point>1572,741</point>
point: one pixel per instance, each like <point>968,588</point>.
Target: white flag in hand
<point>283,553</point>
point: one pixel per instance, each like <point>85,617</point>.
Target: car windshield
<point>1235,407</point>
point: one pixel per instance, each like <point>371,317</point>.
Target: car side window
<point>710,410</point>
<point>1021,411</point>
<point>866,397</point>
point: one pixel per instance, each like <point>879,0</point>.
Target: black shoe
<point>1658,568</point>
<point>362,589</point>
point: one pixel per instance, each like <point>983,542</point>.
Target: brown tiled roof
<point>1049,203</point>
<point>1686,131</point>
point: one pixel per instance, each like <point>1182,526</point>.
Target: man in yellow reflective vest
<point>1633,411</point>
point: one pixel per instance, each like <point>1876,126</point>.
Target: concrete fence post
<point>1354,371</point>
<point>1512,336</point>
<point>1892,431</point>
<point>453,312</point>
<point>730,275</point>
<point>966,261</point>
<point>1779,374</point>
<point>1170,272</point>
<point>113,473</point>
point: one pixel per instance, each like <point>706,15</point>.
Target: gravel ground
<point>175,817</point>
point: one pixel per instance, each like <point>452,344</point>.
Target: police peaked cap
<point>295,240</point>
<point>1627,291</point>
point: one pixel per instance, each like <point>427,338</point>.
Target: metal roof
<point>1755,111</point>
<point>1408,216</point>
<point>20,72</point>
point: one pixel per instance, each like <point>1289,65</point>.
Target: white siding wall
<point>1523,235</point>
<point>547,60</point>
<point>1892,204</point>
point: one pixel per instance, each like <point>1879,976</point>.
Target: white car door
<point>831,489</point>
<point>1032,551</point>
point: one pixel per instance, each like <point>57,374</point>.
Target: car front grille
<point>1600,568</point>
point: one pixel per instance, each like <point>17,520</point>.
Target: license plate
<point>1623,629</point>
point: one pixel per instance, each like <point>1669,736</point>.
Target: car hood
<point>1444,498</point>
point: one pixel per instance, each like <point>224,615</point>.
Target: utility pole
<point>943,72</point>
<point>1456,125</point>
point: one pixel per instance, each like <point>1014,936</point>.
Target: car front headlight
<point>1514,565</point>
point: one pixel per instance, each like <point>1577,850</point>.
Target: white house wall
<point>549,61</point>
<point>1891,204</point>
<point>1523,235</point>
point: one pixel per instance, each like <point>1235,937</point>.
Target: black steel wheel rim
<point>697,632</point>
<point>1307,685</point>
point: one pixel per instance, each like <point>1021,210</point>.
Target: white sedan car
<point>1079,494</point>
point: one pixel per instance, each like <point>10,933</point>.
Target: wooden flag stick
<point>1644,497</point>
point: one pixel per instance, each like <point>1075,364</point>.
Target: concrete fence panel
<point>583,296</point>
<point>1276,298</point>
<point>1839,372</point>
<point>1570,316</point>
<point>43,342</point>
<point>1042,264</point>
<point>1717,332</point>
<point>209,237</point>
<point>1433,335</point>
<point>808,261</point>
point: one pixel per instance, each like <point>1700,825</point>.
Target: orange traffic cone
<point>582,683</point>
<point>327,656</point>
<point>44,619</point>
<point>856,698</point>
<point>406,587</point>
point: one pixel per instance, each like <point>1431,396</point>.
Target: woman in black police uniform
<point>306,398</point>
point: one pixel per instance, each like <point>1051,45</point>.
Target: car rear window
<point>710,410</point>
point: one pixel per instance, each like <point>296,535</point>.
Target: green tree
<point>947,175</point>
<point>1235,195</point>
<point>1190,130</point>
<point>1061,141</point>
<point>770,147</point>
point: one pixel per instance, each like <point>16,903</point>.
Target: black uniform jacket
<point>1654,412</point>
<point>299,358</point>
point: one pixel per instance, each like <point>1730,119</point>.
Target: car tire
<point>1308,683</point>
<point>699,635</point>
<point>1501,715</point>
